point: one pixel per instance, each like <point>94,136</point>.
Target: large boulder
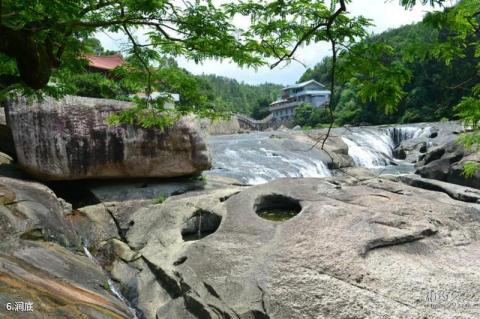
<point>358,248</point>
<point>446,163</point>
<point>335,148</point>
<point>42,262</point>
<point>69,139</point>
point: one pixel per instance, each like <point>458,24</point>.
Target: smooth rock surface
<point>335,149</point>
<point>69,139</point>
<point>361,247</point>
<point>459,192</point>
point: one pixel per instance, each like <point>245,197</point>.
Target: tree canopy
<point>43,42</point>
<point>41,37</point>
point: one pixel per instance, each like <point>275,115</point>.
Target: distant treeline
<point>431,94</point>
<point>231,95</point>
<point>213,92</point>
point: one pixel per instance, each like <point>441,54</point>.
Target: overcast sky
<point>385,15</point>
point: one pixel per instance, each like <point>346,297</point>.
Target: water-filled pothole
<point>277,207</point>
<point>201,224</point>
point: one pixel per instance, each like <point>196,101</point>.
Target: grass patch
<point>159,199</point>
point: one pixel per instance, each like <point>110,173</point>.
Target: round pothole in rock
<point>201,224</point>
<point>277,207</point>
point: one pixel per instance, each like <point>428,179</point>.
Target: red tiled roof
<point>104,62</point>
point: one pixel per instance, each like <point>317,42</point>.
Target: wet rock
<point>409,142</point>
<point>423,148</point>
<point>399,153</point>
<point>69,139</point>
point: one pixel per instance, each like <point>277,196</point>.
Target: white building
<point>309,92</point>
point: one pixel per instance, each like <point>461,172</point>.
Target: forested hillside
<point>218,93</point>
<point>431,94</point>
<point>231,95</point>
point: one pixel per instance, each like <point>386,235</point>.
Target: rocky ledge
<point>350,247</point>
<point>69,139</point>
<point>446,163</point>
<point>41,259</point>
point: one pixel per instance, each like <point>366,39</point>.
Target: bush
<point>308,115</point>
<point>94,85</point>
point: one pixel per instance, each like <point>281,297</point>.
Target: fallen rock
<point>69,139</point>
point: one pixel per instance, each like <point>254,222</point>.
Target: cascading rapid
<point>373,147</point>
<point>257,158</point>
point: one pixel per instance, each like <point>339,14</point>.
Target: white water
<point>258,158</point>
<point>373,147</point>
<point>111,285</point>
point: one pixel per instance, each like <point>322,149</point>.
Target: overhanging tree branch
<point>328,24</point>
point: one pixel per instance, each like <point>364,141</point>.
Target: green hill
<point>238,97</point>
<point>432,92</point>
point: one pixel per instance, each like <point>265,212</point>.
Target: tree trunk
<point>33,62</point>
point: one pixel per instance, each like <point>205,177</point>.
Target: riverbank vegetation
<point>422,72</point>
<point>433,89</point>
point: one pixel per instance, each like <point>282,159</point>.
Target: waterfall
<point>399,134</point>
<point>111,285</point>
<point>373,148</point>
<point>258,158</point>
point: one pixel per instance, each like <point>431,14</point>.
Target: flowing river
<point>260,157</point>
